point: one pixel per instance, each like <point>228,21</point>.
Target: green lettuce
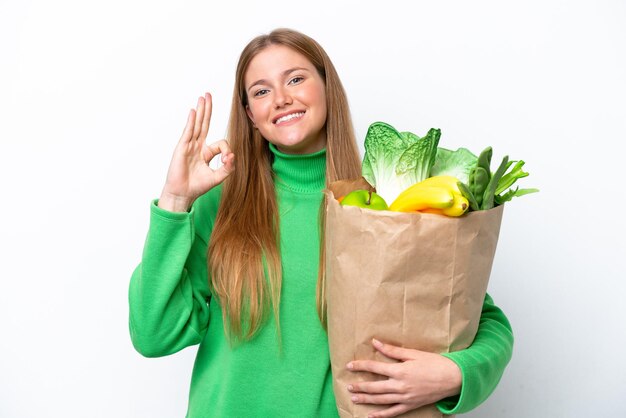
<point>457,163</point>
<point>394,161</point>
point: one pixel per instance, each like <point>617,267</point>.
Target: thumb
<point>395,352</point>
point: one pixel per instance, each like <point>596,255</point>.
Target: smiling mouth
<point>287,118</point>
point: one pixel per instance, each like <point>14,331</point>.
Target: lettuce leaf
<point>394,161</point>
<point>457,163</point>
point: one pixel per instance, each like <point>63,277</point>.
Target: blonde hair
<point>243,255</point>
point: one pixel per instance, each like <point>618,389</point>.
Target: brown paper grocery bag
<point>410,279</point>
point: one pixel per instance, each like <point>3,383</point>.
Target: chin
<point>298,141</point>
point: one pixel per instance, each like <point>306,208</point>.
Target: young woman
<point>231,258</point>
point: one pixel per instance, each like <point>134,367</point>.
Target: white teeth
<point>289,117</point>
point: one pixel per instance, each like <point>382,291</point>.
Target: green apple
<point>364,199</point>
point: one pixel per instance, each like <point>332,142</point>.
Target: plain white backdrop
<point>94,96</point>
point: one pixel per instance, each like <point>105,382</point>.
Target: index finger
<point>219,147</point>
<point>378,367</point>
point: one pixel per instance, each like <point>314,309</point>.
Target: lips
<point>286,117</point>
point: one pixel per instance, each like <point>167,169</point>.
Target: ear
<point>249,112</point>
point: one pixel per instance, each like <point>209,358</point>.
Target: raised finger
<point>206,120</point>
<point>394,411</point>
<point>378,367</point>
<point>199,116</point>
<point>188,131</point>
<point>380,386</point>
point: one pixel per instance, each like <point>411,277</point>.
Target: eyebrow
<point>284,73</point>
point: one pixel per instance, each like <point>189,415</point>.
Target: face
<point>286,100</point>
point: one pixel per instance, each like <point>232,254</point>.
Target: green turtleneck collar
<point>305,173</point>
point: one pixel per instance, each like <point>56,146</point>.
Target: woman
<point>231,258</point>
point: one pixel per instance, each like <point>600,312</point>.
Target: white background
<point>94,96</point>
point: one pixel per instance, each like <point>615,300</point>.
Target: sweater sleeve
<point>169,293</point>
<point>482,363</point>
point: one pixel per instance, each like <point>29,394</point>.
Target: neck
<point>300,172</point>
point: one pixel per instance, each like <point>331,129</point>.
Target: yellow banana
<point>459,207</point>
<point>448,182</point>
<point>438,194</point>
<point>418,197</point>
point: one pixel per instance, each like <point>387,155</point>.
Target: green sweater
<point>171,308</point>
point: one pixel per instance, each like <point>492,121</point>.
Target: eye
<point>261,92</point>
<point>296,80</point>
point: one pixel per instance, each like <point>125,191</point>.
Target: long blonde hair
<point>243,254</point>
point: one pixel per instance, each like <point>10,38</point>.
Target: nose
<point>282,98</point>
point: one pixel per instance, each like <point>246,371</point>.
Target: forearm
<point>482,364</point>
<point>166,311</point>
